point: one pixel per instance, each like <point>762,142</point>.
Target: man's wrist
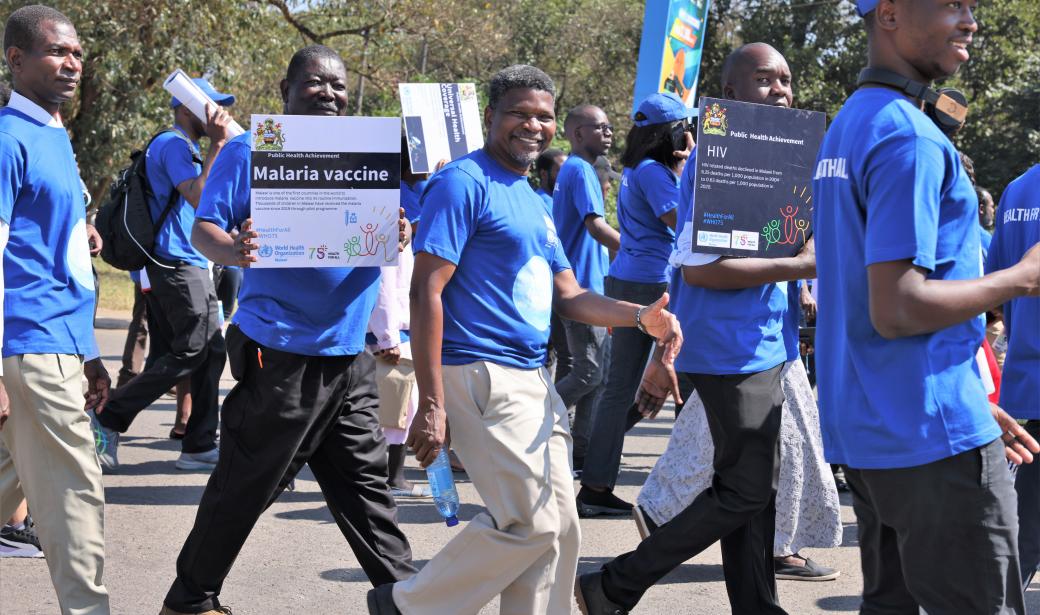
<point>639,320</point>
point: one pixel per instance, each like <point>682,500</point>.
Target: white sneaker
<point>198,461</point>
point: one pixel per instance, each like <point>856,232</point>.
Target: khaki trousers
<point>509,428</point>
<point>47,456</point>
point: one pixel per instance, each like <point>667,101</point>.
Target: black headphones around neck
<point>947,107</point>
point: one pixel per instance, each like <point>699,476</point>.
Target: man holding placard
<point>306,390</point>
<point>182,302</point>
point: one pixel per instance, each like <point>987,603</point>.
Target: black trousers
<point>743,412</point>
<point>285,411</point>
<point>182,311</point>
<point>942,536</point>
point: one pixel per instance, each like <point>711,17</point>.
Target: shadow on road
<point>839,603</point>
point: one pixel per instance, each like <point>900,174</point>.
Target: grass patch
<point>117,289</point>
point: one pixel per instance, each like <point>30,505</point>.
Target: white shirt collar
<point>33,110</point>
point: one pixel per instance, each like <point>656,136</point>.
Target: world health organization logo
<point>266,251</point>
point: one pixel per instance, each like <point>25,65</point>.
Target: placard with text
<point>325,191</point>
<point>442,122</point>
<point>755,164</point>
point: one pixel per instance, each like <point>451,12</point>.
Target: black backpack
<point>124,220</point>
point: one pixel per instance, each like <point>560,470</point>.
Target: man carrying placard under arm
<point>306,391</point>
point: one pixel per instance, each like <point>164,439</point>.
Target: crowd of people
<point>505,254</point>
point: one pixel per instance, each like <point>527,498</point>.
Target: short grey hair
<point>518,76</point>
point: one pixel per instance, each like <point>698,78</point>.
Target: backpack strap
<point>174,194</point>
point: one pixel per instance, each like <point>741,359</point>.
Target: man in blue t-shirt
<point>733,310</point>
<point>578,213</point>
<point>546,168</point>
<point>46,445</point>
<point>1017,231</point>
<point>182,303</point>
<point>305,391</point>
<point>901,401</point>
<point>489,269</point>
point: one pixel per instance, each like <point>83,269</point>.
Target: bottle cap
<point>451,521</point>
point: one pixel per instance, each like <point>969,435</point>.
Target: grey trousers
<point>1027,484</point>
<point>589,350</point>
<point>942,537</point>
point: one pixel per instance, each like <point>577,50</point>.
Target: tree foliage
<point>589,47</point>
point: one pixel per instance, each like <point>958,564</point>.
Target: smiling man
<point>489,267</point>
<point>901,401</point>
<point>306,391</point>
<point>46,445</point>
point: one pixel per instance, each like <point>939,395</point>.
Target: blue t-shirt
<point>545,197</point>
<point>48,281</point>
<point>170,162</point>
<point>647,192</point>
<point>889,186</point>
<point>410,199</point>
<point>985,239</point>
<point>792,318</point>
<point>1017,230</point>
<point>726,331</point>
<point>307,311</point>
<point>488,222</point>
<point>577,195</point>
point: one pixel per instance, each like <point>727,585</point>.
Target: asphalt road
<point>296,561</point>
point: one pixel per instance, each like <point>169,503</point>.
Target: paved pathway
<point>296,561</point>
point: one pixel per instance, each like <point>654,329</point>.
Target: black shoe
<point>381,600</point>
<point>811,571</point>
<point>588,590</point>
<point>601,503</point>
<point>644,523</point>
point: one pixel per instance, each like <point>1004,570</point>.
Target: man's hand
<point>404,231</point>
<point>683,154</point>
<point>1019,446</point>
<point>5,405</point>
<point>244,244</point>
<point>98,384</point>
<point>390,356</point>
<point>1030,267</point>
<point>428,434</point>
<point>94,240</point>
<point>659,381</point>
<point>808,303</point>
<point>217,122</point>
<point>664,326</point>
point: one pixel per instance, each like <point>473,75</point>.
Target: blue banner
<point>670,50</point>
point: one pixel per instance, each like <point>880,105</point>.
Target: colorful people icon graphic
<point>771,231</point>
<point>788,214</point>
<point>369,231</point>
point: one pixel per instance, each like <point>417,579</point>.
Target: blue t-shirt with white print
<point>647,192</point>
<point>889,186</point>
<point>305,310</point>
<point>576,196</point>
<point>1017,230</point>
<point>48,281</point>
<point>500,235</point>
<point>170,162</point>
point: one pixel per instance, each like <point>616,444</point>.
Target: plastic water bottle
<point>442,487</point>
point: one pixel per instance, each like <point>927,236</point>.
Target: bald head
<point>589,132</point>
<point>757,73</point>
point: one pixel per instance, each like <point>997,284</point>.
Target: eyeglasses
<point>604,128</point>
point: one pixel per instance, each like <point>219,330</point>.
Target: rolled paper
<point>184,89</point>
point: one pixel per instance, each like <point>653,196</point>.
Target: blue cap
<point>661,108</point>
<point>866,6</point>
<point>224,100</point>
<point>451,521</point>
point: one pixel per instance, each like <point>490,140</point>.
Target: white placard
<point>325,190</point>
<point>441,121</point>
<point>181,87</point>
